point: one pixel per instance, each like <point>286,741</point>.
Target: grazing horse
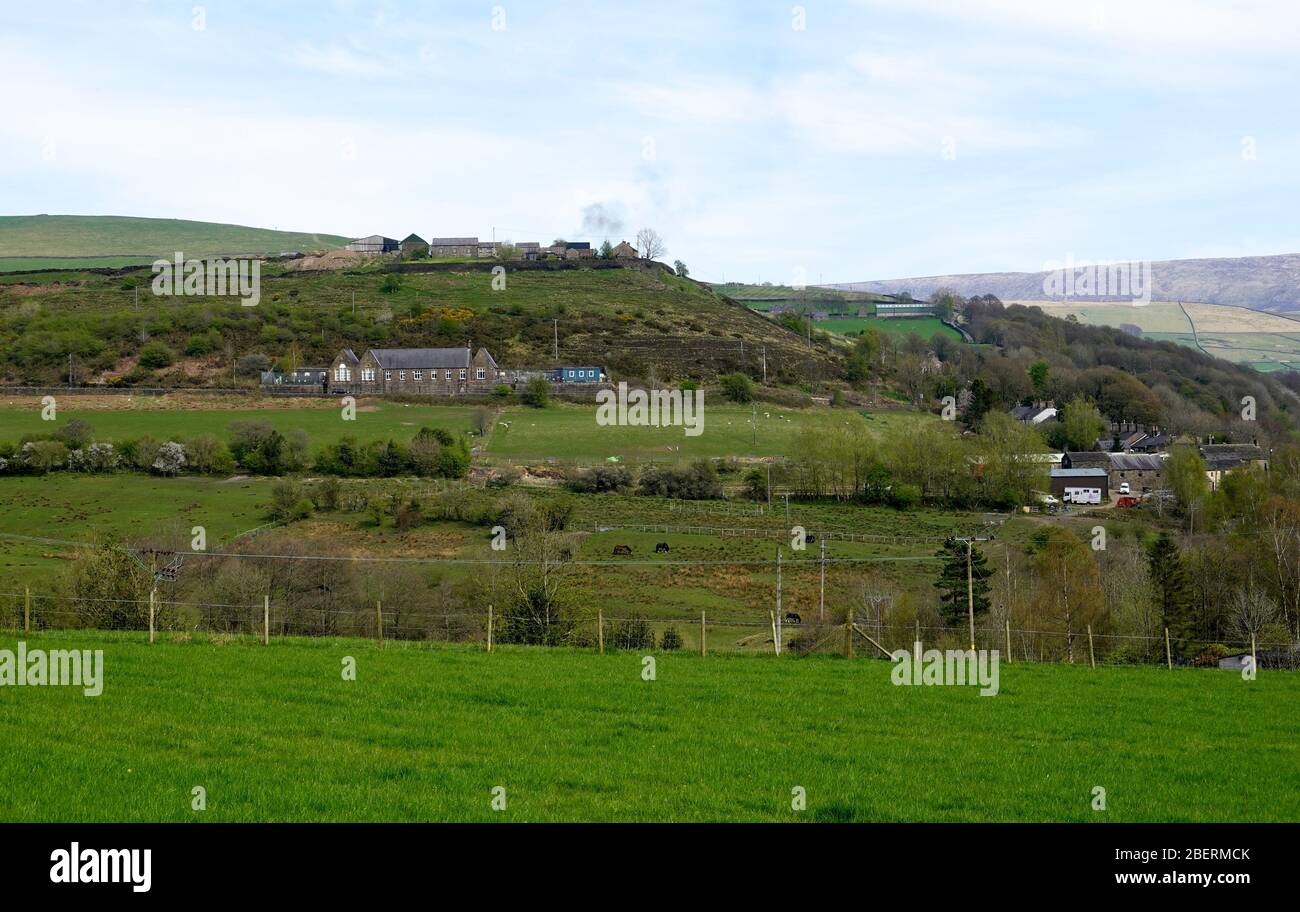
<point>661,548</point>
<point>622,549</point>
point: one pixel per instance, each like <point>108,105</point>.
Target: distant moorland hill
<point>1260,283</point>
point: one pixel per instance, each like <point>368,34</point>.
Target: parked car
<point>1124,488</point>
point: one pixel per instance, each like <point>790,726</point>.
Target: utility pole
<point>769,485</point>
<point>786,495</point>
<point>776,621</point>
<point>970,592</point>
<point>556,321</point>
<point>764,365</point>
<point>69,370</point>
<point>753,426</point>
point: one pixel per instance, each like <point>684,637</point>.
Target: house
<point>413,243</point>
<point>453,247</point>
<point>486,249</point>
<point>415,371</point>
<point>1088,459</point>
<point>1127,436</point>
<point>575,250</point>
<point>1223,458</point>
<point>1034,414</point>
<point>529,250</point>
<point>575,374</point>
<point>624,251</point>
<point>376,243</point>
<point>1074,484</point>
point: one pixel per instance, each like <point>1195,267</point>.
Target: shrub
<point>633,633</point>
<point>98,457</point>
<point>671,640</point>
<point>326,494</point>
<point>904,496</point>
<point>170,458</point>
<point>737,387</point>
<point>155,355</point>
<point>252,365</point>
<point>537,393</point>
<point>44,455</point>
<point>390,284</point>
<point>601,480</point>
<point>287,496</point>
<point>76,433</point>
<point>699,481</point>
<point>257,447</point>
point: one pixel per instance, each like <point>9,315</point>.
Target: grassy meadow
<point>426,733</point>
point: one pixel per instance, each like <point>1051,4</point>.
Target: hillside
<point>1259,283</point>
<point>46,237</point>
<point>639,321</point>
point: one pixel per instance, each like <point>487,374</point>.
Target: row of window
<point>343,374</point>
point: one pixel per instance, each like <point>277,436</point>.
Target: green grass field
<point>425,734</point>
<point>925,327</point>
<point>25,264</point>
<point>160,418</point>
<point>40,236</point>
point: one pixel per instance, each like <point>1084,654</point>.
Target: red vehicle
<point>1126,501</point>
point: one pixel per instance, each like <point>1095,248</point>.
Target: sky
<point>789,143</point>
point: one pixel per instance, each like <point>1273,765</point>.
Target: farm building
<point>904,309</point>
<point>624,251</point>
<point>449,247</point>
<point>418,371</point>
<point>413,243</point>
<point>1142,471</point>
<point>1068,483</point>
<point>376,243</point>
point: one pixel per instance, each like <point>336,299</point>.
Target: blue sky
<point>852,141</point>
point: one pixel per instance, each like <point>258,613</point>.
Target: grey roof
<point>1078,473</point>
<point>413,237</point>
<point>492,362</point>
<point>528,245</point>
<point>1241,450</point>
<point>420,358</point>
<point>453,242</point>
<point>1137,462</point>
<point>1089,459</point>
<point>374,239</point>
<point>1026,412</point>
<point>350,356</point>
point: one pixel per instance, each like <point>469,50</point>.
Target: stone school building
<point>415,371</point>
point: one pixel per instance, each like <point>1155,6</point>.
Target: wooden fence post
<point>1169,656</point>
<point>1008,641</point>
<point>600,629</point>
<point>704,632</point>
<point>489,628</point>
<point>1254,662</point>
<point>848,633</point>
<point>153,596</point>
<point>776,640</point>
<point>27,609</point>
<point>379,622</point>
<point>266,620</point>
<point>1092,658</point>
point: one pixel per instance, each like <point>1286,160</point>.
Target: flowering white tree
<point>170,459</point>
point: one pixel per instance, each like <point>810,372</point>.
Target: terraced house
<point>415,371</point>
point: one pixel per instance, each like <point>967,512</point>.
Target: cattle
<point>661,548</point>
<point>792,618</point>
<point>810,539</point>
<point>622,549</point>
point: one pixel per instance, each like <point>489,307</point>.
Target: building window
<point>388,375</point>
<point>343,373</point>
<point>419,375</point>
<point>462,373</point>
<point>448,376</point>
<point>367,375</point>
<point>401,375</point>
<point>480,374</point>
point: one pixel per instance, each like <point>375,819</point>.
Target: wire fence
<point>857,633</point>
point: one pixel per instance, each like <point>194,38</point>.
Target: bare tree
<point>650,244</point>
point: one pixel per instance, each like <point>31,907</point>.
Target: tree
<point>650,244</point>
<point>1173,587</point>
<point>1081,424</point>
<point>944,303</point>
<point>1185,476</point>
<point>1069,591</point>
<point>1039,373</point>
<point>680,268</point>
<point>954,603</point>
<point>607,251</point>
<point>156,355</point>
<point>537,393</point>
